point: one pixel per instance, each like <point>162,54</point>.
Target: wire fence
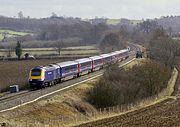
<point>64,121</point>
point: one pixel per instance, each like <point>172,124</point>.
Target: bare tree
<point>163,49</point>
<point>53,15</point>
<point>20,15</point>
<point>4,34</point>
<point>112,41</point>
<point>59,45</point>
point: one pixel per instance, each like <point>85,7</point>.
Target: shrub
<point>119,86</point>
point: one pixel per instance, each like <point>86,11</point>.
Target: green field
<point>1,37</point>
<point>113,21</point>
<point>117,21</point>
<point>135,22</point>
<point>11,33</point>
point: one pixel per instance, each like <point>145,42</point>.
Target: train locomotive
<point>42,76</point>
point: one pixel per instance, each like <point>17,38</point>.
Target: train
<point>52,74</point>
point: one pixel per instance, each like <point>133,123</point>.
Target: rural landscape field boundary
<point>165,95</point>
<point>51,93</point>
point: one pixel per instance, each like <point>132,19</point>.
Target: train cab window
<point>36,72</point>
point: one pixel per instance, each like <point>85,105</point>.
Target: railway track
<point>26,97</point>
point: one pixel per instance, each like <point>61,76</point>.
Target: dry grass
<point>164,96</point>
<point>68,104</point>
<point>17,72</point>
<point>135,62</point>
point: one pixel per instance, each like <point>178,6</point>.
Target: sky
<point>131,9</point>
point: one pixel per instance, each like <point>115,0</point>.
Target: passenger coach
<point>55,73</point>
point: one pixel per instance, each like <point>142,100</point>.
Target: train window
<point>74,67</point>
<point>70,68</point>
<point>83,65</point>
<point>89,64</point>
<point>98,61</point>
<point>66,69</point>
<point>36,72</point>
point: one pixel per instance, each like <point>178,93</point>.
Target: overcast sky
<point>132,9</point>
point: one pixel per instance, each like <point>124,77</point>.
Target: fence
<point>64,121</point>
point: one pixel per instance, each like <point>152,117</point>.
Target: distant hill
<point>170,23</point>
<point>31,24</point>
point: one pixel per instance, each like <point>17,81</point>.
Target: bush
<point>119,86</point>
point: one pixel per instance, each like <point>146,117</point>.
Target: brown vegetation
<point>17,72</point>
<point>119,86</point>
<point>62,109</point>
<point>163,49</point>
<point>165,113</point>
<point>112,42</point>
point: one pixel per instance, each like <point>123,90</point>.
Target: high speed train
<point>42,76</point>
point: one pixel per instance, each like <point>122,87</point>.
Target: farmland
<point>11,33</point>
<point>118,21</point>
<point>69,51</point>
<point>16,72</point>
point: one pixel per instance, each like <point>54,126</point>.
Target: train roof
<point>49,68</point>
<point>114,53</point>
<point>95,57</point>
<point>54,65</point>
<point>120,51</point>
<point>68,63</point>
<point>124,50</point>
<point>105,55</point>
<point>83,60</point>
<point>38,67</point>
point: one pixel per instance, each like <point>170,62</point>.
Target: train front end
<point>36,78</point>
